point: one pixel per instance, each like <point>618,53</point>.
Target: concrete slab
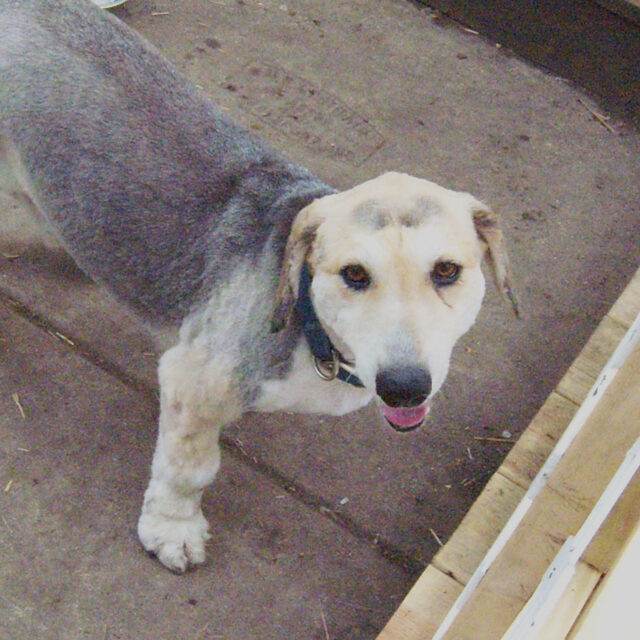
<point>72,475</point>
<point>102,329</point>
<point>353,89</point>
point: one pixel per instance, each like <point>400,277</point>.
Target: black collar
<point>328,360</point>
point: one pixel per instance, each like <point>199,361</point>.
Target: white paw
<point>176,542</point>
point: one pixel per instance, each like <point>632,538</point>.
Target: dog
<point>270,290</point>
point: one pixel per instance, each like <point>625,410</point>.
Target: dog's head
<point>396,281</point>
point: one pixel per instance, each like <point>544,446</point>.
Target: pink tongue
<point>405,416</point>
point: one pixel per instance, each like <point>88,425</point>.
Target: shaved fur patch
<point>423,209</point>
<point>372,214</point>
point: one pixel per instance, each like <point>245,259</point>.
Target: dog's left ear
<point>489,232</point>
<point>298,247</point>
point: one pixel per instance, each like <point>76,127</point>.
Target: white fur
<point>303,391</point>
<point>402,319</point>
<point>223,353</point>
<point>197,400</point>
<point>186,459</point>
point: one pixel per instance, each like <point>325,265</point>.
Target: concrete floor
<point>350,89</point>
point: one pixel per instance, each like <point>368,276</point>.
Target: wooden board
<point>516,572</point>
<point>627,306</point>
<point>558,511</point>
<point>462,553</point>
<point>568,609</point>
<point>604,550</point>
<point>484,521</point>
<point>582,373</point>
<point>533,447</point>
<point>611,612</point>
<point>424,607</point>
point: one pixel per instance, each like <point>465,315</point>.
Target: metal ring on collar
<point>327,369</point>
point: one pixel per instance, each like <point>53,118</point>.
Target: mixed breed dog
<point>266,289</point>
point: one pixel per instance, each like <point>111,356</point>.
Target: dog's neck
<point>329,361</point>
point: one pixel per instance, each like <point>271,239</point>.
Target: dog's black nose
<point>403,386</point>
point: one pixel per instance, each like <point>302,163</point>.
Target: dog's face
<point>396,281</point>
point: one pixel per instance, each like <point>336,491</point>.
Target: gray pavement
<point>70,564</point>
<point>350,89</point>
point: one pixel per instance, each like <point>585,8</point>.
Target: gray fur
<point>423,209</point>
<point>154,193</point>
<point>372,214</point>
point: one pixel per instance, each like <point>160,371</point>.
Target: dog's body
<point>201,230</point>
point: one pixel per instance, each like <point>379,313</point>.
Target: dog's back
<point>150,188</point>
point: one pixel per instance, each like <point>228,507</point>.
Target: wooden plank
<point>600,346</point>
<point>553,585</point>
<point>600,446</point>
<point>575,385</point>
<point>607,376</point>
<point>604,550</point>
<point>484,520</point>
<point>627,307</point>
<point>566,612</point>
<point>479,528</point>
<point>424,607</point>
<point>583,372</point>
<point>611,612</point>
<point>515,574</point>
<point>528,455</point>
<point>558,511</point>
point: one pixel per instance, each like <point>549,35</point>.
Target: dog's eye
<point>355,276</point>
<point>445,273</point>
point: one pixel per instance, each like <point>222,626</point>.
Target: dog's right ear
<point>299,244</point>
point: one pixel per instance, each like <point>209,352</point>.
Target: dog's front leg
<point>196,401</point>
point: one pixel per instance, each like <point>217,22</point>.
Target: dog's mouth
<point>405,419</point>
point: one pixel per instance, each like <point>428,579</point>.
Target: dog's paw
<point>177,542</point>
